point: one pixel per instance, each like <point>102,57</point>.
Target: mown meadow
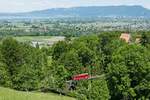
<point>8,94</point>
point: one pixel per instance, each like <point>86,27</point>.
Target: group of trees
<point>22,65</point>
<point>125,68</point>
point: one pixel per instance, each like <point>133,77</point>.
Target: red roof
<point>126,37</point>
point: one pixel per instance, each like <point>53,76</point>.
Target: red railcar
<point>81,77</point>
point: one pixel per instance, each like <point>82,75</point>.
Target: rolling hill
<point>91,11</point>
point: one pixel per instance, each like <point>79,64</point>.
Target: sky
<point>12,6</point>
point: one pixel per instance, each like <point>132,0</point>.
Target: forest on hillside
<point>124,67</point>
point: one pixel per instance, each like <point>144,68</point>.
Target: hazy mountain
<point>91,11</point>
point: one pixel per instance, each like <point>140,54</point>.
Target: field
<point>32,38</point>
<point>43,41</point>
<point>39,38</point>
<point>8,94</point>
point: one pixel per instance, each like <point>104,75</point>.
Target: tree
<point>4,75</point>
<point>11,51</point>
<point>91,41</point>
<point>59,74</point>
<point>130,67</point>
<point>32,72</point>
<point>108,42</point>
<point>26,65</point>
<point>97,91</point>
<point>86,56</point>
<point>27,79</point>
<point>58,49</point>
<point>145,39</point>
<point>71,61</point>
<point>106,39</point>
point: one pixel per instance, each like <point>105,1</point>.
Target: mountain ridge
<point>87,11</point>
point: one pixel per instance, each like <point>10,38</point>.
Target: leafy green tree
<point>58,49</point>
<point>71,61</point>
<point>129,69</point>
<point>59,74</point>
<point>107,44</point>
<point>26,79</point>
<point>55,78</point>
<point>145,39</point>
<point>32,72</point>
<point>90,41</point>
<point>106,39</point>
<point>26,65</point>
<point>11,51</point>
<point>94,90</point>
<point>4,75</point>
<point>86,56</point>
<point>99,90</point>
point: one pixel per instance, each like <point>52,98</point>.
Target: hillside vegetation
<point>124,64</point>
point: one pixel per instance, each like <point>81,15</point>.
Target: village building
<point>137,40</point>
<point>126,37</point>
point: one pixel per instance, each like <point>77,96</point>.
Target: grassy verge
<point>9,94</point>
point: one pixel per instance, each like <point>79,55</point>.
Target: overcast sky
<point>30,5</point>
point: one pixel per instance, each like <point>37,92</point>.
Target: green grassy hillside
<point>9,94</point>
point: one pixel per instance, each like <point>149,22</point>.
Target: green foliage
<point>108,42</point>
<point>55,77</point>
<point>86,55</point>
<point>99,90</point>
<point>145,39</point>
<point>71,61</point>
<point>26,65</point>
<point>93,90</point>
<point>130,67</point>
<point>106,39</point>
<point>58,49</point>
<point>60,75</point>
<point>11,52</point>
<point>126,67</point>
<point>4,76</point>
<point>26,79</point>
<point>90,41</point>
